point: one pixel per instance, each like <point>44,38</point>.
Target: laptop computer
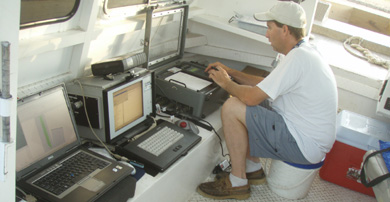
<point>160,147</point>
<point>47,142</point>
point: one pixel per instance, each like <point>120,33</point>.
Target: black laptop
<point>162,146</point>
<point>51,163</point>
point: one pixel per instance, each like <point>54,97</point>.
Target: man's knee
<point>229,104</point>
<point>232,106</point>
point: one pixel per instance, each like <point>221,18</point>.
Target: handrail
<point>5,104</point>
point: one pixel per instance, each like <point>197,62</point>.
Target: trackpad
<point>93,184</point>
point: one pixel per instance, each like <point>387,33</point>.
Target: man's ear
<point>285,29</point>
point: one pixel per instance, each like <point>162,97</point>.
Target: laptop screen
<point>45,129</point>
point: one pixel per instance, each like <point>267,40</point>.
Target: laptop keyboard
<point>161,140</point>
<point>69,172</point>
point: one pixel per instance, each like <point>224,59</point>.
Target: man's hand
<point>218,74</point>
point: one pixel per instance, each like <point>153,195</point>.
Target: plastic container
<point>360,131</point>
<point>356,134</point>
<point>291,181</point>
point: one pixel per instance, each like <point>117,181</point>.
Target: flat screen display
<point>128,105</point>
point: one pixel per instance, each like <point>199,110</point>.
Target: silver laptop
<point>51,163</point>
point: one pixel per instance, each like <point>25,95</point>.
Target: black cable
<point>177,114</point>
<point>198,120</point>
<point>219,137</point>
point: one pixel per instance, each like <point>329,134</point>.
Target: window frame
<point>135,9</point>
<point>340,30</point>
<point>53,20</point>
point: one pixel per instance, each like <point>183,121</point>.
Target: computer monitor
<point>44,128</point>
<point>125,106</point>
<point>114,107</point>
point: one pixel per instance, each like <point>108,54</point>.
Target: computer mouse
<point>188,125</point>
<point>129,165</point>
<point>214,68</point>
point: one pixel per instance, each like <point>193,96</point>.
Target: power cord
<point>195,118</point>
<point>143,133</point>
<point>226,163</point>
<point>116,156</point>
<point>219,137</point>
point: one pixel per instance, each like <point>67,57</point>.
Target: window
<point>364,21</point>
<point>119,6</point>
<point>373,15</point>
<point>382,5</point>
<point>354,36</point>
<point>38,12</point>
<point>121,3</point>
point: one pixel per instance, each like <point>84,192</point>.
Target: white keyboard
<point>160,141</point>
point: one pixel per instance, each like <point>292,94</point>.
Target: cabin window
<point>122,3</point>
<point>40,12</point>
<point>368,15</point>
<point>131,7</point>
<point>372,15</point>
<point>352,27</point>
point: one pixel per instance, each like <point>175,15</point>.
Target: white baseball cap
<point>288,13</point>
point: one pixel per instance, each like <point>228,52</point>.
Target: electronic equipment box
<point>113,105</point>
<point>182,87</point>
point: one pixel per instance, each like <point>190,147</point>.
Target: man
<point>300,127</point>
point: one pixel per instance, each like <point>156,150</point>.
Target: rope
<point>367,55</point>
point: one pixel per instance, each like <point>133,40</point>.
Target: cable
<point>219,137</point>
<point>177,114</point>
<point>144,132</point>
<point>219,168</point>
<point>164,116</point>
<point>164,95</point>
<point>116,156</point>
<point>212,127</point>
<point>195,118</point>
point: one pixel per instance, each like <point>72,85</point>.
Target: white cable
<point>116,156</point>
<point>97,137</point>
<point>150,128</point>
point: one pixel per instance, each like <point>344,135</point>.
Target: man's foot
<point>222,189</point>
<point>254,178</point>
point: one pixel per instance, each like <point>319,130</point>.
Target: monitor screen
<point>45,126</point>
<point>127,105</point>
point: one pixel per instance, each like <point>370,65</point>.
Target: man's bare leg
<point>236,135</point>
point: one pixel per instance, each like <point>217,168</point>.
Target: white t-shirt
<point>303,91</point>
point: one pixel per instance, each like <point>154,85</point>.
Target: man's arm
<point>239,77</point>
<point>249,94</point>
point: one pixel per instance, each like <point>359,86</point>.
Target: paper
<point>190,81</point>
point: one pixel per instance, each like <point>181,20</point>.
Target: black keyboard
<point>65,174</point>
<point>160,154</point>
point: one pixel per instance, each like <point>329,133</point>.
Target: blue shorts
<point>269,136</point>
